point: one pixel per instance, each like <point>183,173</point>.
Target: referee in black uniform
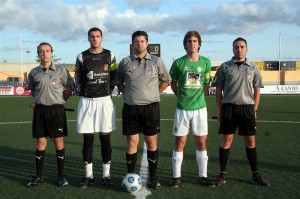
<point>50,85</point>
<point>238,83</point>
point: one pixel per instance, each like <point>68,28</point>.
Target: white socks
<point>106,169</point>
<point>177,158</point>
<point>89,170</point>
<point>202,160</point>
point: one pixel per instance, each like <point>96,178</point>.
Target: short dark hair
<point>93,30</point>
<point>192,33</point>
<point>239,39</point>
<point>42,44</point>
<point>139,33</point>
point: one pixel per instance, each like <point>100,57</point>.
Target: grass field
<point>278,145</point>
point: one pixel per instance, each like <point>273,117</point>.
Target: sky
<point>271,27</point>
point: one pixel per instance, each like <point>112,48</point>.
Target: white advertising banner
<point>281,89</point>
<point>6,90</point>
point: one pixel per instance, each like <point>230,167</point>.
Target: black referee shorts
<point>241,117</point>
<point>49,121</point>
<point>141,118</point>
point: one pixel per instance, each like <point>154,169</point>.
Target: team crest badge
<point>150,72</point>
<point>105,67</point>
<point>250,77</point>
<point>53,82</point>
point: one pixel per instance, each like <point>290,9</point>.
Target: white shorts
<point>96,115</point>
<point>190,121</point>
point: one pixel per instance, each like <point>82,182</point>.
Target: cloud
<point>68,22</point>
<point>296,9</point>
<point>228,18</point>
<point>249,17</point>
<point>59,20</point>
<point>130,21</point>
<point>145,4</point>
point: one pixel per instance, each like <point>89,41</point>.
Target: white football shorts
<point>190,121</point>
<point>96,115</point>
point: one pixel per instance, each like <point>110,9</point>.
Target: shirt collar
<point>51,67</point>
<point>147,56</point>
<point>234,61</point>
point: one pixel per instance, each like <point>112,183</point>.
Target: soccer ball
<point>132,182</point>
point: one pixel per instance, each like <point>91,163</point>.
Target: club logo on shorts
<point>175,130</point>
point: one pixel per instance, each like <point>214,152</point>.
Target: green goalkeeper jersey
<point>191,78</point>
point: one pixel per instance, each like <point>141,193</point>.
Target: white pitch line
<point>210,120</point>
<point>25,122</point>
<point>143,192</point>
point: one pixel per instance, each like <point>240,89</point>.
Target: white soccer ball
<point>132,182</point>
